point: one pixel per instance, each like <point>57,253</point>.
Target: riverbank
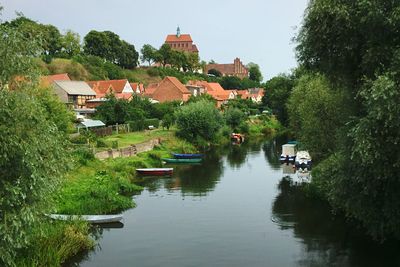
<point>96,186</point>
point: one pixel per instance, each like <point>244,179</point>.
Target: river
<point>239,208</point>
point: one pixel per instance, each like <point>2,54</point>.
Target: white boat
<point>88,218</point>
<point>288,153</point>
<point>303,158</point>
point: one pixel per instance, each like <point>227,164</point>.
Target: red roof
<point>171,38</point>
<point>49,79</point>
<point>169,89</point>
<point>178,84</point>
<point>149,90</point>
<point>135,86</point>
<point>104,87</point>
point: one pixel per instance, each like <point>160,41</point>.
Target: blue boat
<point>187,156</point>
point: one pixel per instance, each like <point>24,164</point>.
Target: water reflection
<point>200,179</point>
<point>329,240</point>
<point>271,154</point>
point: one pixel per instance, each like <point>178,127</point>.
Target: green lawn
<point>128,139</point>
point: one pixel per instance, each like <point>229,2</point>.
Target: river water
<point>239,208</point>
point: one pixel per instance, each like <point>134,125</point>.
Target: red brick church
<point>236,69</point>
<point>182,42</point>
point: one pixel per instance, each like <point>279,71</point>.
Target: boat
<point>303,159</point>
<point>194,160</point>
<point>288,153</point>
<point>187,156</point>
<point>155,171</point>
<point>237,138</point>
<point>95,219</point>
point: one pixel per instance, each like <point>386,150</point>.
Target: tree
<point>31,144</point>
<point>165,54</point>
<point>70,44</point>
<point>17,54</point>
<point>353,51</point>
<point>234,117</point>
<point>193,61</point>
<point>254,72</point>
<point>199,121</point>
<point>110,47</point>
<point>148,54</point>
<point>48,36</point>
<point>315,113</point>
<point>230,82</point>
<point>215,72</point>
<point>202,97</point>
<point>277,92</point>
<point>362,56</point>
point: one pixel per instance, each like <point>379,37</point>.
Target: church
<point>181,42</point>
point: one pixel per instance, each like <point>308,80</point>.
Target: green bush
<point>254,111</point>
<point>153,72</point>
<point>154,122</point>
<point>136,125</point>
<point>244,127</point>
<point>199,119</point>
<point>83,155</point>
<point>101,143</point>
<point>114,144</point>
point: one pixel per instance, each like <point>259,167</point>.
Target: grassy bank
<point>264,125</point>
<point>94,187</point>
<point>106,187</point>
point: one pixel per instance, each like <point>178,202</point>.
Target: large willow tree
<point>356,44</point>
<point>32,129</point>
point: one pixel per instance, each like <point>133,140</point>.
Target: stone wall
<point>128,151</point>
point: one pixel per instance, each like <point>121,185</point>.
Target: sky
<point>258,31</point>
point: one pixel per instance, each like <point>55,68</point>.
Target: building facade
<point>181,42</point>
<point>236,69</point>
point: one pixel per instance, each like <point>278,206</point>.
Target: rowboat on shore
<point>88,218</point>
<point>182,160</point>
<point>155,171</point>
<point>187,156</point>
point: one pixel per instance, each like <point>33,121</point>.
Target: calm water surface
<point>239,208</point>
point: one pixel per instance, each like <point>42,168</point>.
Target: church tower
<point>178,32</point>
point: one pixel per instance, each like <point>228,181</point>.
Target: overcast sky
<point>259,31</point>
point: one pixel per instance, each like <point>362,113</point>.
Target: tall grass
<point>53,242</point>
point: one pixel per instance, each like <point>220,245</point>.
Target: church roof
<point>182,38</point>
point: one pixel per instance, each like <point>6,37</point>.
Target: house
<point>243,94</point>
<point>256,94</point>
<point>74,93</point>
<point>181,42</point>
<point>236,69</point>
<point>48,80</point>
<point>116,87</point>
<point>195,90</point>
<point>215,90</point>
<point>169,89</point>
<point>138,88</point>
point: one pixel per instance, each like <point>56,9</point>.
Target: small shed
<point>90,124</point>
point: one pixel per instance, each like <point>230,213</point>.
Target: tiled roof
<point>181,38</point>
<point>75,87</point>
<point>149,90</point>
<point>169,89</point>
<point>135,85</point>
<point>178,84</point>
<point>103,87</point>
<point>49,79</point>
<point>223,68</point>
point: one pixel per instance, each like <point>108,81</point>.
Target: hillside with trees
<point>343,104</point>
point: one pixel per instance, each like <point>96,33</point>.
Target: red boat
<point>237,138</point>
<point>156,171</point>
